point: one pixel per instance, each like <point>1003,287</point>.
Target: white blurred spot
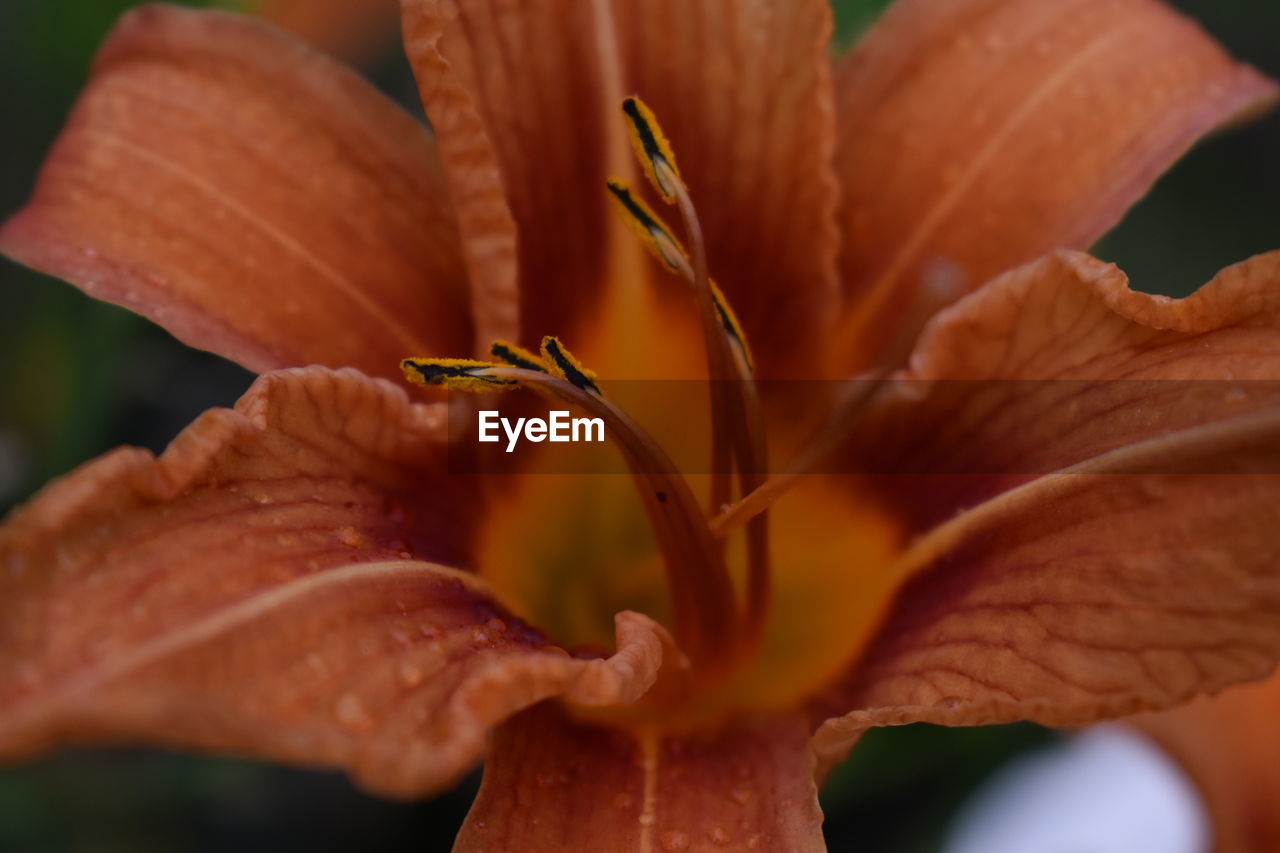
<point>1107,790</point>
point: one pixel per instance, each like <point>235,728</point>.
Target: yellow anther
<point>651,147</point>
<point>456,374</point>
<point>517,356</point>
<point>732,327</point>
<point>568,368</point>
<point>648,227</point>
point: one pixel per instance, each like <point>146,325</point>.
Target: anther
<point>732,327</point>
<point>459,374</point>
<point>649,228</point>
<point>651,147</point>
<point>516,356</point>
<point>568,368</point>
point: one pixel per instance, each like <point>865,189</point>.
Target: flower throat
<point>715,625</point>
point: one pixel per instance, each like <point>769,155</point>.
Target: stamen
<point>651,147</point>
<point>516,356</point>
<point>459,374</point>
<point>737,422</point>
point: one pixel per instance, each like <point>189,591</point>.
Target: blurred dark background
<point>78,377</point>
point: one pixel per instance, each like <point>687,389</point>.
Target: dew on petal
<point>352,537</point>
<point>410,674</point>
<point>673,841</point>
<point>317,664</point>
<point>719,836</point>
<point>351,712</point>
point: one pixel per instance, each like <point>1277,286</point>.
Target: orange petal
<point>253,197</point>
<point>513,96</point>
<point>526,100</point>
<point>234,594</point>
<point>357,30</point>
<point>392,670</point>
<point>553,784</point>
<point>977,135</point>
<point>1059,361</point>
<point>1230,745</point>
<point>1132,582</point>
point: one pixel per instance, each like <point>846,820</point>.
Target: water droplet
<point>495,626</point>
<point>411,675</point>
<point>754,842</point>
<point>647,819</point>
<point>317,664</point>
<point>352,537</point>
<point>350,711</point>
<point>623,801</point>
<point>741,796</point>
<point>674,842</point>
<point>719,836</point>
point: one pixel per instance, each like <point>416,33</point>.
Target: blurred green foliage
<point>78,377</point>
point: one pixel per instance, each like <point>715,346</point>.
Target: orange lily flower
<point>302,579</point>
